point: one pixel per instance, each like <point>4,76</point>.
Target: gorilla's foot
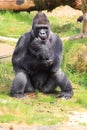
<point>17,95</point>
<point>65,95</point>
<point>29,90</point>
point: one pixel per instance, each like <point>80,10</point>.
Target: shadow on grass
<point>66,29</point>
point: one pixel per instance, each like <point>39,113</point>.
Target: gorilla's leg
<point>59,79</point>
<point>29,87</point>
<point>39,79</point>
<point>19,85</point>
<point>50,85</point>
<point>65,85</point>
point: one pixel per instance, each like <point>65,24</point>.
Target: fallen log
<point>82,35</point>
<point>30,5</point>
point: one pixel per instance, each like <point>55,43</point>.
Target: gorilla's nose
<point>42,34</point>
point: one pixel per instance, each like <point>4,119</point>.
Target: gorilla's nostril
<point>50,61</point>
<point>47,58</point>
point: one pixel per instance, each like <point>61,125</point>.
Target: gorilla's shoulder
<point>26,35</point>
<point>24,40</point>
<point>55,38</point>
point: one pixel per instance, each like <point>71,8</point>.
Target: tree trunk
<point>84,19</point>
<point>84,9</point>
<point>16,4</point>
<point>29,5</point>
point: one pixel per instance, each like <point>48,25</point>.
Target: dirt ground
<point>65,11</point>
<point>6,50</point>
<point>77,121</point>
<point>24,127</point>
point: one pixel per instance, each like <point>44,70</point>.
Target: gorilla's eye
<point>41,27</point>
<point>44,28</point>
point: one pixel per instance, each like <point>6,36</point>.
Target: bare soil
<point>64,11</point>
<point>7,126</point>
<point>6,50</point>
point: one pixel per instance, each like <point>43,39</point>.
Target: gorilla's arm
<point>22,58</point>
<point>32,64</point>
<point>20,51</point>
<point>57,49</point>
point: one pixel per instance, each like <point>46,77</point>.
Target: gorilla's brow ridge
<point>40,19</point>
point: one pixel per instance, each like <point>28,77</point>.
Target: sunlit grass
<point>15,24</point>
<point>65,26</point>
<point>41,109</point>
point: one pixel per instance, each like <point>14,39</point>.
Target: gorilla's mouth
<point>43,38</point>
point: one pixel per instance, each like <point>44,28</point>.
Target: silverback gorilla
<point>36,61</point>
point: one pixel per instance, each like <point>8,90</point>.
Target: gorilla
<point>37,62</point>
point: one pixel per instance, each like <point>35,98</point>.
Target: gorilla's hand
<point>65,95</point>
<point>47,62</point>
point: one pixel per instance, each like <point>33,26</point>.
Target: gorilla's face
<point>41,27</point>
<point>41,31</point>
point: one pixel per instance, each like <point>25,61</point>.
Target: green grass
<point>14,24</point>
<point>31,111</point>
<point>41,109</point>
<point>65,26</point>
<point>71,51</point>
<point>6,76</point>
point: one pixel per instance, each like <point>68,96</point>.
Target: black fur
<point>37,61</point>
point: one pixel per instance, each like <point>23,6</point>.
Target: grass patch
<point>6,118</point>
<point>71,51</point>
<point>18,23</point>
<point>6,76</point>
<point>42,109</point>
<point>14,24</point>
<point>65,26</point>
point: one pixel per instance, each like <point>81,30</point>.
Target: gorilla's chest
<point>42,50</point>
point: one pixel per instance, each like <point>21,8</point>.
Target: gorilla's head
<point>41,26</point>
